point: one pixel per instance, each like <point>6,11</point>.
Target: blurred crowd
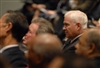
<point>51,34</point>
<point>54,10</point>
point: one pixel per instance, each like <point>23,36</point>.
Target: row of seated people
<point>37,46</point>
<point>54,10</point>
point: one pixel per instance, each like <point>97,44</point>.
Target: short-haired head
<point>19,24</point>
<point>93,36</point>
<point>44,26</point>
<point>77,16</point>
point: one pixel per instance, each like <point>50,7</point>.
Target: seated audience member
<point>90,7</point>
<point>13,26</point>
<point>89,45</point>
<point>75,22</point>
<point>37,26</point>
<point>43,49</point>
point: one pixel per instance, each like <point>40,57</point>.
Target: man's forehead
<point>3,17</point>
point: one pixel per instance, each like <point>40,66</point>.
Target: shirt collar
<point>7,47</point>
<point>75,38</point>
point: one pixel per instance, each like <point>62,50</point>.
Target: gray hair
<point>44,26</point>
<point>77,16</point>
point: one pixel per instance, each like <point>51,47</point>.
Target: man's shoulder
<point>70,47</point>
<point>12,50</point>
<point>15,57</point>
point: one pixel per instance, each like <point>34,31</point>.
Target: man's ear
<point>8,26</point>
<point>79,26</point>
<point>91,48</point>
<point>39,59</point>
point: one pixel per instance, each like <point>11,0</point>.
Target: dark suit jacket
<point>69,47</point>
<point>15,57</point>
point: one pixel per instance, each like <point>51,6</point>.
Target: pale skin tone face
<point>70,28</point>
<point>31,33</point>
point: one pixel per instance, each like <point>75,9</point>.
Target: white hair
<point>77,16</point>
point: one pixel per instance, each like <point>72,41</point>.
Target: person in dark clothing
<point>90,7</point>
<point>75,22</point>
<point>13,26</point>
<point>89,45</point>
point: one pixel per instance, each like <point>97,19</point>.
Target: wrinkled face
<point>30,34</point>
<point>70,28</point>
<point>81,46</point>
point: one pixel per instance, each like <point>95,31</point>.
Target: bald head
<point>44,47</point>
<point>89,43</point>
<point>46,42</point>
<point>93,36</point>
